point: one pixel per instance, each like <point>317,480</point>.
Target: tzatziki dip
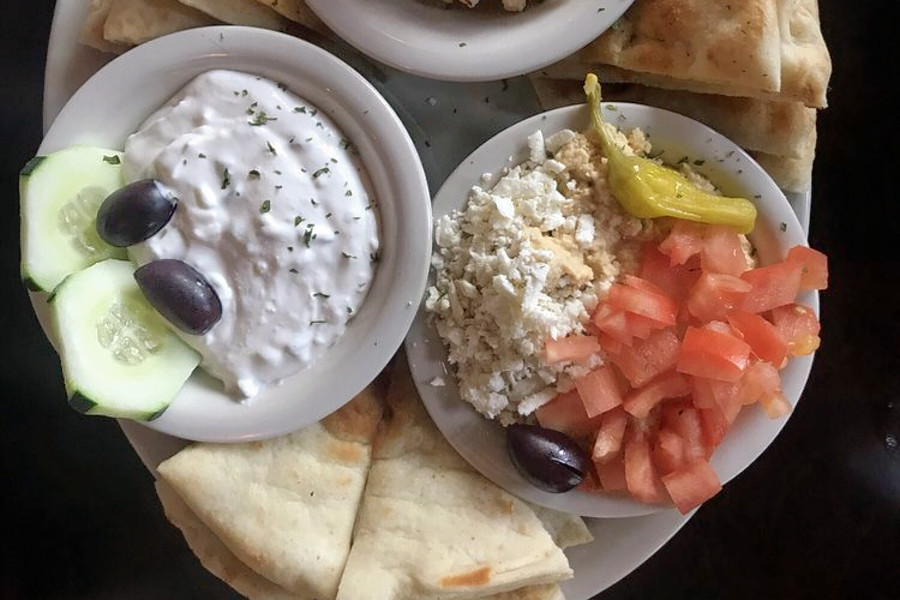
<point>273,207</point>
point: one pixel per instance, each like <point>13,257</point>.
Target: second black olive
<point>548,459</point>
<point>134,213</point>
<point>181,294</point>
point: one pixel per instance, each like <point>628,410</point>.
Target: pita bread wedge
<point>214,555</point>
<point>285,507</point>
<point>240,12</point>
<point>298,12</point>
<point>697,40</point>
<point>133,22</point>
<point>431,527</point>
<point>567,530</point>
<point>92,29</point>
<point>805,62</point>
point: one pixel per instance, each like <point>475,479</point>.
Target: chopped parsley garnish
<point>299,109</point>
<point>318,322</point>
<point>278,187</point>
<point>112,160</point>
<point>282,87</point>
<point>308,234</point>
<point>783,226</point>
<point>349,311</point>
<point>375,256</point>
<point>309,139</point>
<point>244,93</point>
<point>293,270</point>
<point>226,178</point>
<point>348,193</point>
<point>201,155</point>
<point>290,248</point>
<point>297,220</point>
<point>334,160</point>
<point>313,112</point>
<point>261,118</point>
<point>271,148</point>
<point>313,202</point>
<point>277,172</point>
<point>321,295</point>
<point>253,174</point>
<point>319,125</point>
<point>462,44</point>
<point>265,206</point>
<point>348,146</point>
<point>328,216</point>
<point>699,162</point>
<point>321,172</point>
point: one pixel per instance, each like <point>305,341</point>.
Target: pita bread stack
<point>360,506</point>
<point>755,70</point>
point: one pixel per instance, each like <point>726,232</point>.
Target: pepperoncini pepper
<point>648,190</point>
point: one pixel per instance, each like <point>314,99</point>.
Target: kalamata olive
<point>548,459</point>
<point>134,213</point>
<point>181,294</point>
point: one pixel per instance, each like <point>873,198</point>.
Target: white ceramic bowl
<point>114,102</point>
<point>426,38</point>
<point>482,442</point>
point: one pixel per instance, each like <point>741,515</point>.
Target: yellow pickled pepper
<point>648,190</point>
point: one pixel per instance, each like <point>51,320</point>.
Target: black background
<point>817,516</point>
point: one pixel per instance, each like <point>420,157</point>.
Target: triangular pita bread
<point>92,29</point>
<point>133,22</point>
<point>285,507</point>
<point>240,12</point>
<point>431,527</point>
<point>298,12</point>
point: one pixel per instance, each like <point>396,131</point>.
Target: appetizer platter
<point>621,307</point>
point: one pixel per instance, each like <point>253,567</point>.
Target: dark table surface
<point>817,516</point>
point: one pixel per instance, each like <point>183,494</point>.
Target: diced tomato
<point>775,404</point>
<point>566,413</point>
<point>798,327</point>
<point>668,451</point>
<point>612,322</point>
<point>763,337</point>
<point>814,267</point>
<point>716,295</point>
<point>713,355</point>
<point>684,420</point>
<point>722,251</point>
<point>639,326</point>
<point>675,280</point>
<point>714,425</point>
<point>643,302</point>
<point>612,475</point>
<point>646,359</point>
<point>692,485</point>
<point>610,344</point>
<point>574,347</point>
<point>726,395</point>
<point>608,444</point>
<point>702,393</point>
<point>591,481</point>
<point>773,286</point>
<point>640,476</point>
<point>640,402</point>
<point>639,283</point>
<point>684,241</point>
<point>599,391</point>
<point>759,379</point>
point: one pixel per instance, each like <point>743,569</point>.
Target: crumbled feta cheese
<point>558,140</point>
<point>537,153</point>
<point>437,382</point>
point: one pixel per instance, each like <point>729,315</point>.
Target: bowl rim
<point>392,164</point>
<point>467,430</point>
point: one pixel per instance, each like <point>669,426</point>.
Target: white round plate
<point>114,102</point>
<point>482,442</point>
<point>456,43</point>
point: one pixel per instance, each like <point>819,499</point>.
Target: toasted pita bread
<point>431,527</point>
<point>565,529</point>
<point>697,40</point>
<point>92,29</point>
<point>214,555</point>
<point>240,12</point>
<point>298,12</point>
<point>285,507</point>
<point>133,22</point>
<point>805,62</point>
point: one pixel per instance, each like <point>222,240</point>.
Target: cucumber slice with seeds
<point>60,194</point>
<point>119,358</point>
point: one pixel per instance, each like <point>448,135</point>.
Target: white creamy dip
<point>274,209</point>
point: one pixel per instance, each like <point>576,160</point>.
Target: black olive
<point>134,213</point>
<point>548,459</point>
<point>180,294</point>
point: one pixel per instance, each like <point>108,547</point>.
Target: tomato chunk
<point>714,426</point>
<point>668,451</point>
<point>713,355</point>
<point>715,295</point>
<point>684,420</point>
<point>675,280</point>
<point>640,476</point>
<point>566,413</point>
<point>764,339</point>
<point>773,286</point>
<point>599,391</point>
<point>643,302</point>
<point>761,378</point>
<point>646,359</point>
<point>684,241</point>
<point>612,475</point>
<point>613,323</point>
<point>722,251</point>
<point>814,267</point>
<point>775,404</point>
<point>608,444</point>
<point>692,486</point>
<point>799,328</point>
<point>574,347</point>
<point>670,385</point>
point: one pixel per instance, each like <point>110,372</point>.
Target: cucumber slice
<point>118,356</point>
<point>60,194</point>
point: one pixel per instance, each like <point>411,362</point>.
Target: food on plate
<point>134,213</point>
<point>430,526</point>
<point>257,514</point>
<point>60,194</point>
<point>297,11</point>
<point>118,356</point>
<point>549,459</point>
<point>274,209</point>
<point>764,99</point>
<point>661,351</point>
<point>181,294</point>
<point>246,12</point>
<point>92,30</point>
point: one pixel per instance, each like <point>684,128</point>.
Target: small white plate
<point>482,442</point>
<point>456,43</point>
<point>113,103</point>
